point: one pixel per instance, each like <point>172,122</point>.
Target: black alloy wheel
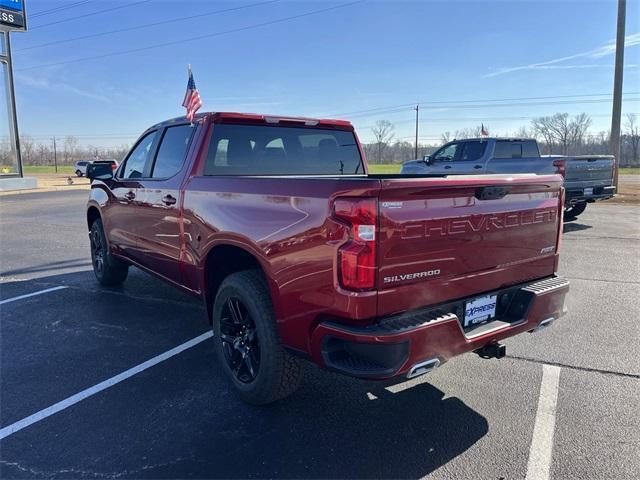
<point>98,251</point>
<point>239,339</point>
<point>109,270</point>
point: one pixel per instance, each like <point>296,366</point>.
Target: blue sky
<point>357,56</point>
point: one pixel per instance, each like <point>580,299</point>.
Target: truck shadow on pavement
<point>575,227</point>
<point>333,428</point>
<point>180,418</point>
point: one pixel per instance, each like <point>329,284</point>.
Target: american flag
<point>483,131</point>
<point>192,101</point>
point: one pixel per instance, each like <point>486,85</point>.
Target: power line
<point>480,119</point>
<point>127,5</point>
<point>59,9</point>
<point>501,105</point>
<point>190,39</point>
<point>146,25</point>
<point>442,103</point>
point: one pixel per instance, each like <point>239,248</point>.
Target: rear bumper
<point>417,341</point>
<point>574,196</point>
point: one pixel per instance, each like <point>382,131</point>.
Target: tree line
<point>67,151</point>
<point>556,134</point>
<point>559,134</point>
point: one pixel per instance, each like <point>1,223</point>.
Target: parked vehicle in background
<point>587,178</point>
<point>81,165</point>
<point>297,252</point>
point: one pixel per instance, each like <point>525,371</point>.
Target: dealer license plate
<point>479,310</point>
<point>588,191</point>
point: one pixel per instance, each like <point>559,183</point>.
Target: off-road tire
<point>109,270</point>
<point>279,373</point>
<point>574,210</point>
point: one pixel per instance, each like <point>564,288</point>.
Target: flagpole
<point>189,76</point>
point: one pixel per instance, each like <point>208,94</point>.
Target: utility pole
<point>55,155</point>
<point>616,114</point>
<point>417,111</point>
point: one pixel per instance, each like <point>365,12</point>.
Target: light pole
<point>417,111</point>
<point>12,18</point>
<point>5,61</point>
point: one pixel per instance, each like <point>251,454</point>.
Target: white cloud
<point>600,52</point>
<point>57,85</point>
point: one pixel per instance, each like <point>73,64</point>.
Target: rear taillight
<point>560,219</point>
<point>561,167</point>
<point>613,170</point>
<point>357,257</point>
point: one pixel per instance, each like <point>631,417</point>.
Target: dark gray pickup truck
<point>587,177</point>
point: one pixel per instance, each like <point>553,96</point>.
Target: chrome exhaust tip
<point>423,367</point>
<point>544,324</point>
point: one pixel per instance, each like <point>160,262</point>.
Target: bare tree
<point>27,149</point>
<point>523,132</point>
<point>578,127</point>
<point>543,131</point>
<point>445,137</point>
<point>632,136</point>
<point>472,132</point>
<point>562,131</point>
<point>383,133</point>
<point>71,145</point>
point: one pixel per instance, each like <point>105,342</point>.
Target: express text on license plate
<point>479,309</point>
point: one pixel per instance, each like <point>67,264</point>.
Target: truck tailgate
<point>443,239</point>
<point>589,171</point>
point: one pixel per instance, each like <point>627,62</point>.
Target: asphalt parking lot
<point>472,418</point>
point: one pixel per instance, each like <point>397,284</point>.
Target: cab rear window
<point>279,150</point>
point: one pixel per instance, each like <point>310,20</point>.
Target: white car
<point>81,167</point>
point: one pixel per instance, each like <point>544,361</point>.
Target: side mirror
<point>100,171</point>
<point>427,159</point>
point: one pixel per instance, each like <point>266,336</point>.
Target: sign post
<point>12,18</point>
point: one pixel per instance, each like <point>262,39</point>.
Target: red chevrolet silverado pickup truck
<point>298,252</point>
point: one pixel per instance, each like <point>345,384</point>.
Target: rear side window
<point>278,150</point>
<point>530,149</point>
<point>508,150</point>
<point>137,159</point>
<point>473,151</point>
<point>172,151</point>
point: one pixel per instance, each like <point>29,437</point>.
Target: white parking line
<point>8,300</point>
<point>78,397</point>
<point>539,466</point>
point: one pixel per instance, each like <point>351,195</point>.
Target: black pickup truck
<point>587,177</point>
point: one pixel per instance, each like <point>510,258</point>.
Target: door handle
<point>168,200</point>
<point>477,166</point>
<point>130,195</point>
<point>447,166</point>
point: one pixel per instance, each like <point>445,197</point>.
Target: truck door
<point>159,213</point>
<point>469,159</point>
<point>120,215</point>
<point>442,161</point>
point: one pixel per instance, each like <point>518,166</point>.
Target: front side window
<point>172,151</point>
<point>277,150</point>
<point>473,151</point>
<point>446,154</point>
<point>137,159</point>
